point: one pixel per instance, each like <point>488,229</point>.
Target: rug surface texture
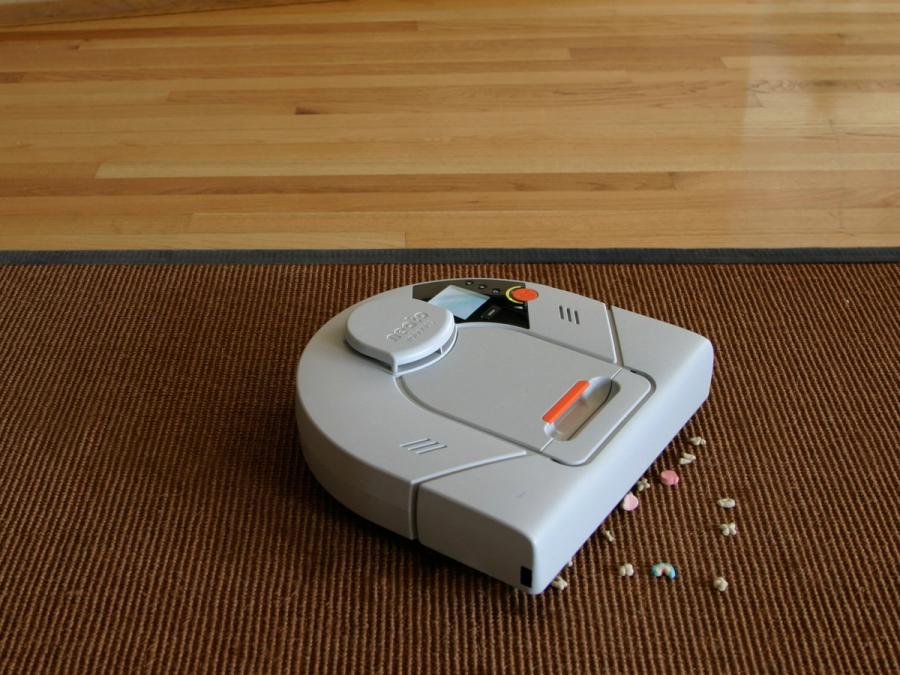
<point>156,512</point>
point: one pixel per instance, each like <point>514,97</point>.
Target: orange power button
<point>523,294</point>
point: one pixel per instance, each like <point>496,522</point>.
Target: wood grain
<point>386,123</point>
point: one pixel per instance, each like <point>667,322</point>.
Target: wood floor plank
<point>540,10</point>
<point>26,12</point>
<point>14,99</point>
<point>73,134</point>
<point>82,109</point>
<point>219,71</point>
<point>41,171</point>
<point>687,229</point>
<point>16,57</point>
<point>390,123</point>
<point>68,225</point>
<point>361,84</point>
<point>848,26</point>
<point>581,156</point>
<point>469,98</point>
<point>132,35</point>
<point>835,37</point>
<point>584,121</point>
<point>636,202</point>
<point>249,240</point>
<point>340,185</point>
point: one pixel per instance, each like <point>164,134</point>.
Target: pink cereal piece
<point>669,477</point>
<point>630,502</point>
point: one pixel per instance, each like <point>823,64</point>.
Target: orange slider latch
<point>566,401</point>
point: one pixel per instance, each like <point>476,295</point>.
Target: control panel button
<point>522,294</point>
<point>490,313</point>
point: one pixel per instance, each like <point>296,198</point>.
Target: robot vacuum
<point>498,422</point>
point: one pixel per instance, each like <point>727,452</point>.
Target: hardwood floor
<point>456,123</point>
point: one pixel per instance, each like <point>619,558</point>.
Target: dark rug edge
<point>455,255</point>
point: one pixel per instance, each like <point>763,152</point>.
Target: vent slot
<point>422,446</point>
<point>570,315</point>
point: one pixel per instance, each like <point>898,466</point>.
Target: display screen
<point>460,302</point>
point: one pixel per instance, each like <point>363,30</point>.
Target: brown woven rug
<point>156,513</point>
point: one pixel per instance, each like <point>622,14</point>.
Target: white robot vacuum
<point>498,422</point>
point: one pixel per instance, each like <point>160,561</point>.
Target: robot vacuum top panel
<point>530,391</point>
<point>497,421</point>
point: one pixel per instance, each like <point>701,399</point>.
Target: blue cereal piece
<point>663,569</point>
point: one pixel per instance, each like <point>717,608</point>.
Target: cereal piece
<point>559,584</point>
<point>661,569</point>
<point>643,484</point>
<point>720,584</point>
<point>728,529</point>
<point>571,563</point>
<point>727,503</point>
<point>630,502</point>
<point>697,440</point>
<point>669,477</point>
<point>626,570</point>
<point>609,536</point>
<point>686,458</point>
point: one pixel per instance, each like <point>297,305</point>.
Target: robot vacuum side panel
<point>664,351</point>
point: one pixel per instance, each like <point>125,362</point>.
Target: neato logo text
<point>410,328</point>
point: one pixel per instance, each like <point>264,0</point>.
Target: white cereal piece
<point>726,503</point>
<point>571,563</point>
<point>626,570</point>
<point>728,529</point>
<point>697,440</point>
<point>643,484</point>
<point>686,458</point>
<point>720,584</point>
<point>559,584</point>
<point>608,535</point>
